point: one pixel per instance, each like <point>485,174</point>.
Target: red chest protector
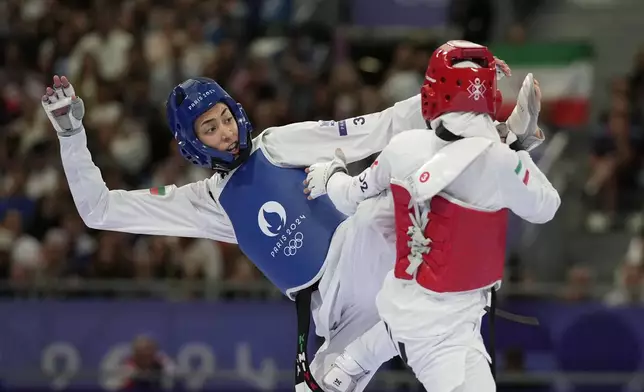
<point>450,249</point>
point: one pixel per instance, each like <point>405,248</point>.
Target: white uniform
<point>342,312</point>
<point>440,332</point>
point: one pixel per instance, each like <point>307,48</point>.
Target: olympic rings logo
<point>294,244</point>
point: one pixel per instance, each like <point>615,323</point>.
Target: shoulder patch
<point>522,172</point>
<point>327,124</point>
<point>341,126</point>
<point>159,191</point>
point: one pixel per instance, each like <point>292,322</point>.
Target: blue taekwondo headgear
<point>186,103</point>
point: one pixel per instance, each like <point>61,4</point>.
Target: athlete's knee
<point>344,375</point>
<point>373,348</point>
<point>318,369</point>
<point>478,375</point>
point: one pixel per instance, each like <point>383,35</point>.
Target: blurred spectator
<point>629,286</point>
<point>154,259</point>
<point>516,34</point>
<point>514,360</point>
<point>197,52</point>
<point>82,246</point>
<point>579,284</point>
<point>129,146</point>
<point>87,79</point>
<point>5,255</point>
<point>635,252</point>
<point>636,91</point>
<point>200,259</point>
<point>514,364</point>
<point>108,44</point>
<point>403,79</point>
<point>344,86</point>
<point>112,259</point>
<point>55,251</point>
<point>525,9</point>
<point>474,18</point>
<point>147,368</point>
<point>616,160</point>
<point>105,114</point>
<point>242,272</point>
<point>24,258</point>
<point>519,278</point>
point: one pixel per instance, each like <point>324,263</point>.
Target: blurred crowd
<point>615,184</point>
<point>614,189</point>
<point>123,58</point>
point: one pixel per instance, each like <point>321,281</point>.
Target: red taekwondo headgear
<point>466,87</point>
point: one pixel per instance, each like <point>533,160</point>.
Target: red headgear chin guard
<point>460,89</point>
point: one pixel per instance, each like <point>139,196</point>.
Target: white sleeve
<point>346,192</point>
<point>303,144</point>
<point>524,188</point>
<point>186,211</point>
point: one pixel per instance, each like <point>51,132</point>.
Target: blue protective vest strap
<point>285,235</point>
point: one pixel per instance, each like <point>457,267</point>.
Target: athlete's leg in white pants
<point>374,345</point>
<point>439,336</point>
<point>450,369</point>
<point>364,258</point>
<point>478,375</point>
<point>358,354</point>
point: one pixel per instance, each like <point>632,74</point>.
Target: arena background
<point>76,304</point>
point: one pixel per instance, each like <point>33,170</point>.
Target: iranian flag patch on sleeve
<point>159,191</point>
<point>523,172</point>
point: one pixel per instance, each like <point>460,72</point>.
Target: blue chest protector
<point>285,235</point>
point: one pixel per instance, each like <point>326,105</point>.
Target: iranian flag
<point>159,190</point>
<point>564,71</point>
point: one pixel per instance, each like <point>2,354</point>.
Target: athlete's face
<point>217,128</point>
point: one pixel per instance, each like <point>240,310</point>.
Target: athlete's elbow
<point>347,209</point>
<point>549,207</point>
<point>91,220</point>
<point>341,203</point>
<point>555,203</point>
<point>338,191</point>
<point>93,215</point>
